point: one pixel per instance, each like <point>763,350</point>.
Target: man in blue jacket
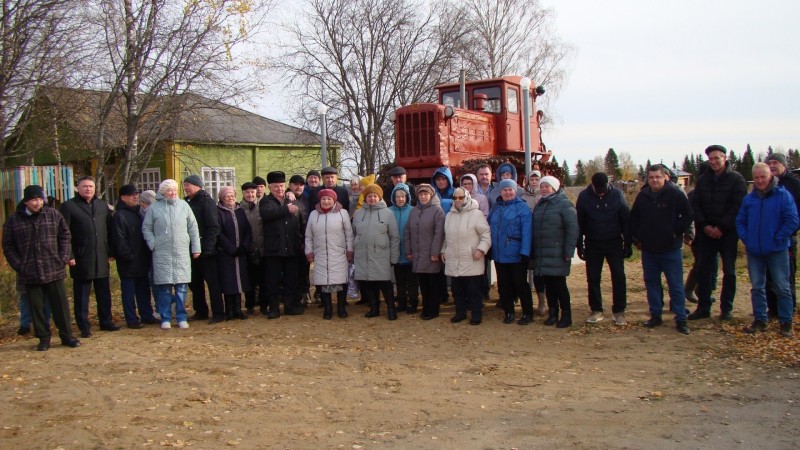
<point>765,223</point>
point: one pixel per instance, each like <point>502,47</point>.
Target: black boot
<point>508,318</point>
<point>292,307</point>
<point>374,306</point>
<point>327,308</point>
<point>229,314</point>
<point>341,304</point>
<point>44,344</point>
<point>237,307</point>
<point>566,319</point>
<point>402,304</point>
<point>391,312</point>
<point>552,317</point>
<point>274,308</point>
<point>413,306</point>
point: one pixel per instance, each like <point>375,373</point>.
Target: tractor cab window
<point>511,96</point>
<point>493,102</point>
<point>451,99</point>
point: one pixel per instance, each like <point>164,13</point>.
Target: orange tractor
<point>488,131</point>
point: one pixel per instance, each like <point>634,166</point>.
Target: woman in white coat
<point>329,245</point>
<point>467,240</point>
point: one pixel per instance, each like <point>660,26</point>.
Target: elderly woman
<point>532,197</point>
<point>234,241</point>
<point>467,240</point>
<point>376,242</point>
<point>329,245</point>
<point>510,222</point>
<point>555,233</point>
<point>171,232</point>
<point>405,279</point>
<point>423,238</point>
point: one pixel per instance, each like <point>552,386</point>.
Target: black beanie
<point>600,182</point>
<point>33,191</point>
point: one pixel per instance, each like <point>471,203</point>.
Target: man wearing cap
<point>204,268</point>
<point>283,233</point>
<point>715,203</point>
<point>261,188</point>
<point>399,175</point>
<point>36,244</point>
<point>603,216</point>
<point>258,287</point>
<point>89,221</point>
<point>134,258</point>
<point>790,182</point>
<point>329,181</point>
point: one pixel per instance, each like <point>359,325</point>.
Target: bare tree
<point>365,58</point>
<point>37,40</point>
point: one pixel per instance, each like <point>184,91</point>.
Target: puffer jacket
<point>766,221</point>
<point>465,231</point>
<point>446,197</point>
<point>133,254</point>
<point>256,227</point>
<point>89,224</point>
<point>170,230</point>
<point>603,218</point>
<point>329,236</point>
<point>205,213</point>
<point>483,202</point>
<point>555,232</point>
<point>37,246</point>
<point>510,223</point>
<point>659,219</point>
<point>402,215</point>
<point>376,242</point>
<point>425,235</point>
<point>716,199</point>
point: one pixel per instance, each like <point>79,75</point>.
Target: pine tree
<point>555,161</point>
<point>746,165</point>
<point>612,164</point>
<point>733,160</point>
<point>688,164</point>
<point>580,174</point>
<point>641,172</point>
<point>565,172</point>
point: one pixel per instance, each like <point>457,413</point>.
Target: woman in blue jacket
<point>407,285</point>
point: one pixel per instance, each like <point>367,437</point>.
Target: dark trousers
<point>80,297</point>
<point>55,294</point>
<point>707,251</point>
<point>303,278</point>
<point>596,253</point>
<point>204,272</point>
<point>691,278</point>
<point>487,277</point>
<point>407,286</point>
<point>257,295</point>
<point>372,290</point>
<point>538,283</point>
<point>430,285</point>
<point>282,278</point>
<point>512,283</point>
<point>557,293</point>
<point>136,295</point>
<point>467,295</point>
<point>772,298</point>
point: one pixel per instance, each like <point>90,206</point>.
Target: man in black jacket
<point>89,221</point>
<point>603,216</point>
<point>134,258</point>
<point>204,268</point>
<point>790,182</point>
<point>715,203</point>
<point>659,216</point>
<point>283,231</point>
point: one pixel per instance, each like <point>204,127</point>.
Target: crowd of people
<point>402,242</point>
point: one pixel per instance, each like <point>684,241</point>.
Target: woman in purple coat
<point>235,238</point>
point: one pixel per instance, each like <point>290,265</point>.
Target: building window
<point>216,177</point>
<point>150,179</point>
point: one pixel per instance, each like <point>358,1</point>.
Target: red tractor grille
<point>416,134</point>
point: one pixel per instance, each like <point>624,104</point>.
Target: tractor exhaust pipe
<point>462,80</point>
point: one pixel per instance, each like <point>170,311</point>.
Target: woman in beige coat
<point>467,240</point>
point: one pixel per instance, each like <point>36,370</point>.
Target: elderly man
<point>330,180</point>
<point>659,216</point>
<point>399,175</point>
<point>261,188</point>
<point>790,182</point>
<point>36,244</point>
<point>204,269</point>
<point>765,223</point>
<point>89,220</point>
<point>255,263</point>
<point>715,202</point>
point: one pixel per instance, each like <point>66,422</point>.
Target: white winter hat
<point>552,181</point>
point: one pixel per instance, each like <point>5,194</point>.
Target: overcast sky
<point>662,79</point>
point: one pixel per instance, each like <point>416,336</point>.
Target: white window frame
<point>150,179</point>
<point>215,178</point>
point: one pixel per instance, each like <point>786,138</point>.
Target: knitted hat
<point>313,173</point>
<point>716,148</point>
<point>223,191</point>
<point>167,185</point>
<point>297,179</point>
<point>551,181</point>
<point>600,182</point>
<point>249,185</point>
<point>535,173</point>
<point>33,191</point>
<point>258,181</point>
<point>147,197</point>
<point>777,157</point>
<point>426,187</point>
<point>373,189</point>
<point>276,177</point>
<point>327,193</point>
<point>508,183</point>
<point>194,179</point>
<point>128,189</point>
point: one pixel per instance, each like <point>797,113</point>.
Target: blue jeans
<point>136,295</point>
<point>670,263</point>
<point>778,265</point>
<point>24,305</point>
<point>165,297</point>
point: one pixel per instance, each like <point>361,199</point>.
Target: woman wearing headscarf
<point>423,236</point>
<point>555,234</point>
<point>376,242</point>
<point>171,232</point>
<point>467,239</point>
<point>329,245</point>
<point>234,241</point>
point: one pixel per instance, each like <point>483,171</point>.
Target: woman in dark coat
<point>235,238</point>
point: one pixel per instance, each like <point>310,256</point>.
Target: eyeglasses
<point>458,197</point>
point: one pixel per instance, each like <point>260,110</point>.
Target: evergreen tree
<point>641,173</point>
<point>580,174</point>
<point>733,160</point>
<point>565,172</point>
<point>746,164</point>
<point>612,165</point>
<point>647,166</point>
<point>688,165</point>
<point>555,161</point>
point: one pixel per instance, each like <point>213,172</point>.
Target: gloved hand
<point>525,260</point>
<point>627,251</point>
<point>581,251</point>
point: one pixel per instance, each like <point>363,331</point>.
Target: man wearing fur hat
<point>36,242</point>
<point>790,182</point>
<point>603,216</point>
<point>283,238</point>
<point>204,269</point>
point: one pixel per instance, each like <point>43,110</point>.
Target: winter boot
<point>413,306</point>
<point>229,313</point>
<point>402,304</point>
<point>374,306</point>
<point>341,304</point>
<point>237,307</point>
<point>391,312</point>
<point>327,308</point>
<point>566,319</point>
<point>552,317</point>
<point>274,308</point>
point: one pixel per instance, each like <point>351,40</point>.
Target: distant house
<point>224,144</point>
